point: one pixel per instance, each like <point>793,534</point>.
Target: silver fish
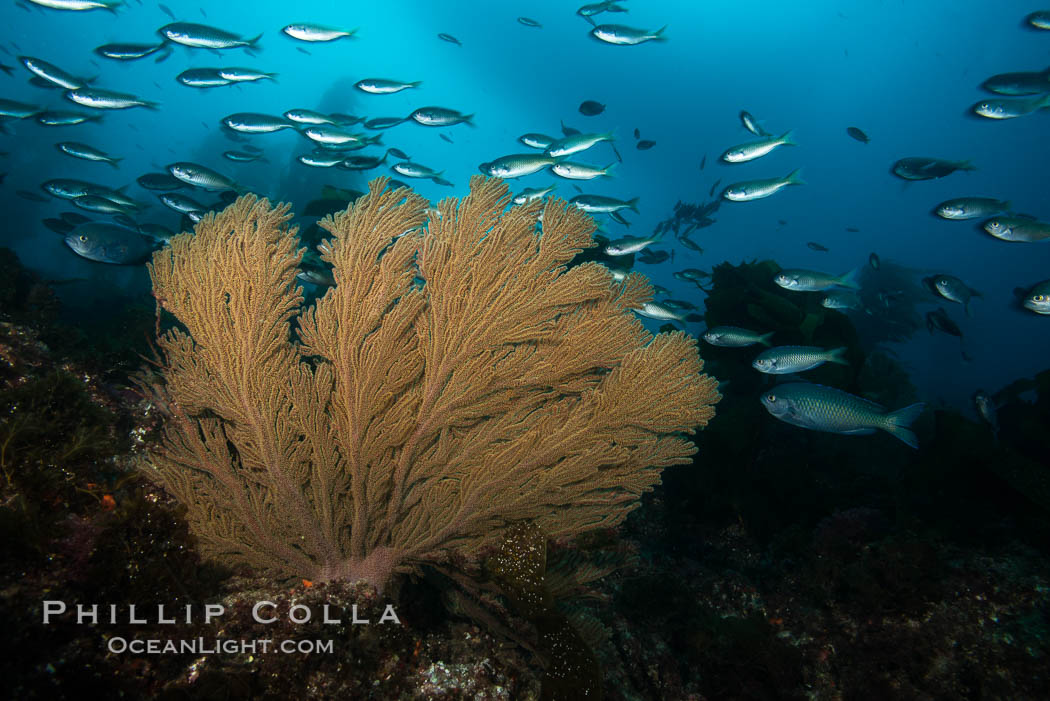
<point>831,410</point>
<point>107,99</point>
<point>621,35</point>
<point>841,300</point>
<point>735,337</point>
<point>303,116</point>
<point>316,32</point>
<point>17,110</point>
<point>598,204</point>
<point>599,7</point>
<point>540,141</point>
<point>201,36</point>
<point>580,171</point>
<point>245,75</point>
<point>1024,83</point>
<point>953,289</point>
<point>1039,19</point>
<point>85,152</point>
<point>1017,229</point>
<point>970,208</point>
<point>129,52</point>
<point>758,189</point>
<point>531,194</point>
<point>568,145</point>
<point>1010,107</point>
<point>691,275</point>
<point>383,122</point>
<point>329,135</point>
<point>414,170</point>
<point>255,123</point>
<point>243,156</point>
<point>99,204</point>
<point>321,277</point>
<point>202,177</point>
<point>381,86</point>
<point>751,124</point>
<point>655,310</point>
<point>629,244</point>
<point>1037,299</point>
<point>63,118</point>
<point>784,360</point>
<point>799,280</point>
<point>202,78</point>
<point>756,149</point>
<point>516,165</point>
<point>52,73</point>
<point>440,117</point>
<point>321,159</point>
<point>110,5</point>
<point>182,203</point>
<point>109,243</point>
<point>68,188</point>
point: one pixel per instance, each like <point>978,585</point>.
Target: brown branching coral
<point>405,421</point>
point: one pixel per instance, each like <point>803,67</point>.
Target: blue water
<point>904,72</point>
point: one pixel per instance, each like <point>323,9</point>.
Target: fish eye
<point>82,237</point>
<point>771,397</point>
<point>1039,298</point>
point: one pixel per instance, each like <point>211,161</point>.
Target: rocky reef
<point>784,564</point>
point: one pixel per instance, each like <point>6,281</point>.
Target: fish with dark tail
<point>921,168</point>
<point>859,135</point>
<point>591,108</point>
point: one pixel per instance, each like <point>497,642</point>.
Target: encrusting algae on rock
<point>404,422</point>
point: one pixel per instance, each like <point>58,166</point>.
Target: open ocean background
<point>904,72</point>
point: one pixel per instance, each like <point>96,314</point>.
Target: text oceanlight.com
<point>204,646</point>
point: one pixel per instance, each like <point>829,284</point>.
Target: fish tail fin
<point>658,35</point>
<point>609,136</point>
<point>632,205</point>
<point>968,164</point>
<point>795,177</point>
<point>415,83</point>
<point>1045,102</point>
<point>272,76</point>
<point>607,170</point>
<point>788,139</point>
<point>377,139</point>
<point>849,279</point>
<point>251,46</point>
<point>115,162</point>
<point>838,355</point>
<point>764,339</point>
<point>898,423</point>
<point>150,105</point>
